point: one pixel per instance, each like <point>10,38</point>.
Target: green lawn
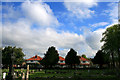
<point>83,74</point>
<point>76,74</point>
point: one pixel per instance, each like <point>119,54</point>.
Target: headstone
<point>14,73</point>
<point>40,69</point>
<point>19,75</point>
<point>32,71</point>
<point>22,70</point>
<point>88,71</point>
<point>23,77</point>
<point>4,75</point>
<point>37,70</point>
<point>15,76</point>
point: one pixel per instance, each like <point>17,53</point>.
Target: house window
<point>84,61</point>
<point>61,61</point>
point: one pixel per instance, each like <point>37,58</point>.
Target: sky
<point>36,26</point>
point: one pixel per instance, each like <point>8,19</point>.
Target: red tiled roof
<point>61,58</point>
<point>83,59</point>
<point>36,58</point>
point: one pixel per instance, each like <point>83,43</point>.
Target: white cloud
<point>37,41</point>
<point>34,12</point>
<point>93,39</point>
<point>81,9</point>
<point>39,13</point>
<point>99,24</point>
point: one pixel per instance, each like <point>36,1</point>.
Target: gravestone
<point>32,71</point>
<point>40,69</point>
<point>4,75</point>
<point>37,70</point>
<point>19,75</point>
<point>15,75</point>
<point>23,76</point>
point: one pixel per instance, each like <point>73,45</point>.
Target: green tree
<point>51,57</point>
<point>101,58</point>
<point>111,39</point>
<point>84,56</point>
<point>18,54</point>
<point>72,58</point>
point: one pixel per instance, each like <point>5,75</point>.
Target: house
<point>61,62</point>
<point>33,60</point>
<point>84,62</point>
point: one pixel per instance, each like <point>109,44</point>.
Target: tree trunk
<point>119,57</point>
<point>71,66</point>
<point>74,66</point>
<point>101,66</point>
<point>113,64</point>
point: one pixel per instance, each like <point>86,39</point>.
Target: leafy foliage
<point>84,56</point>
<point>101,58</point>
<point>51,57</point>
<point>72,58</point>
<point>18,55</point>
<point>111,39</point>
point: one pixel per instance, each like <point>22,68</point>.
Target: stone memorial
<point>4,75</point>
<point>23,76</point>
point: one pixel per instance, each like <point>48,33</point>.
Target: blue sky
<point>35,26</point>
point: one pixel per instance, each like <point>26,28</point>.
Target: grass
<point>83,74</point>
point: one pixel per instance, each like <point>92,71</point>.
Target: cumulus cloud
<point>35,12</point>
<point>81,9</point>
<point>39,13</point>
<point>37,41</point>
<point>93,39</point>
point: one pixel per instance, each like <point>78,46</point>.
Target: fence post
<point>27,75</point>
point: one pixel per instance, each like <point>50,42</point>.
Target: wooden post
<point>27,75</point>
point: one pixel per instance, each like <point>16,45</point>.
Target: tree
<point>18,54</point>
<point>72,58</point>
<point>51,57</point>
<point>101,58</point>
<point>111,39</point>
<point>84,56</point>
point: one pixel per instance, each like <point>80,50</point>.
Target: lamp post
<point>11,69</point>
